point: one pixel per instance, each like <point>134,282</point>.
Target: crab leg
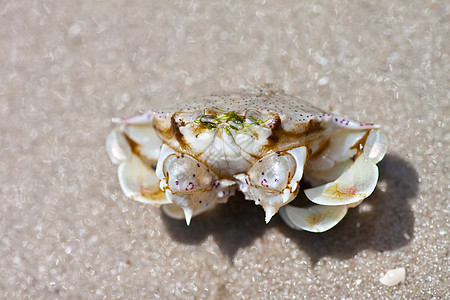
<point>333,198</point>
<point>356,184</point>
<point>139,182</point>
<point>117,147</point>
<point>376,146</point>
<point>136,176</point>
<point>359,181</point>
<point>317,218</point>
<point>347,191</point>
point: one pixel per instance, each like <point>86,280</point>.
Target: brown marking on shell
<point>359,145</point>
<point>298,137</point>
<point>312,127</point>
<point>177,133</point>
<point>136,149</point>
<point>164,134</point>
<point>277,132</point>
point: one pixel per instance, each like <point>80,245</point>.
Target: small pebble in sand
<point>393,277</point>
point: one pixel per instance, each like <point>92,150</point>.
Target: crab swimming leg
<point>273,181</point>
<point>135,148</point>
<point>316,218</point>
<point>350,189</point>
<point>356,184</point>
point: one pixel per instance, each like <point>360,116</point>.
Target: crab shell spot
<point>376,146</point>
<point>139,182</point>
<point>314,219</point>
<point>117,147</point>
<point>356,184</point>
<point>344,122</point>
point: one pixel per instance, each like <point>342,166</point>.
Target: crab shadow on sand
<point>383,222</point>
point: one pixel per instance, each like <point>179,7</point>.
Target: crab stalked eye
<point>186,175</point>
<point>273,172</point>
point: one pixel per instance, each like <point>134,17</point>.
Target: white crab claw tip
<point>314,219</point>
<point>117,147</point>
<point>270,212</point>
<point>356,184</point>
<point>376,146</point>
<point>187,215</point>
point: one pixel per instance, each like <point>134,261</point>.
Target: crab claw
<point>189,186</point>
<point>273,181</point>
<point>356,184</point>
<point>315,219</point>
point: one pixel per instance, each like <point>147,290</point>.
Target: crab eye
<point>186,175</point>
<point>273,172</point>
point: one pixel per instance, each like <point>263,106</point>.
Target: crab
<point>262,142</point>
